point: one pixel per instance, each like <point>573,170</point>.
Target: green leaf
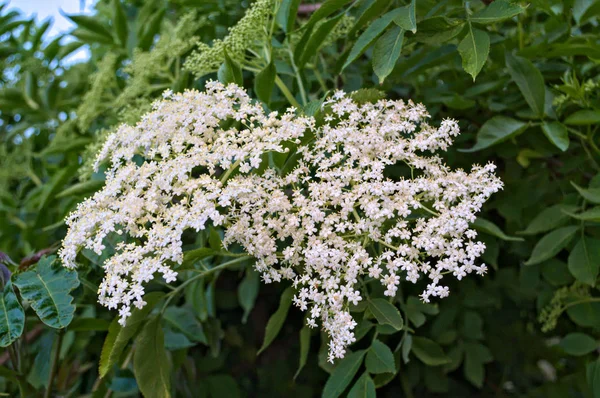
<point>556,272</point>
<point>89,325</point>
<point>584,260</point>
<point>592,9</point>
<point>92,25</point>
<point>578,344</point>
<point>230,72</point>
<point>118,336</point>
<point>551,244</point>
<point>59,146</point>
<point>191,256</point>
<point>47,288</point>
<point>175,340</point>
<point>183,320</point>
<point>316,40</point>
<point>223,385</point>
<point>406,19</point>
<point>286,16</point>
<point>51,94</point>
<point>304,348</point>
<point>248,291</point>
<point>52,48</point>
<point>264,82</point>
<point>119,22</point>
<point>40,369</point>
<point>367,95</point>
<point>585,314</point>
<point>495,131</point>
<point>415,316</point>
<point>343,374</point>
<point>437,30</point>
<point>380,358</point>
<point>406,347</point>
<point>458,102</point>
<point>583,118</point>
<point>326,9</point>
<point>588,215</point>
<point>40,31</point>
<point>12,316</point>
<point>593,377</point>
<point>81,189</point>
<point>151,28</point>
<point>474,50</point>
<point>69,48</point>
<point>362,329</point>
<point>570,49</point>
<point>369,35</point>
<point>311,109</point>
<point>529,80</point>
<point>557,134</point>
<point>91,37</point>
<point>363,388</point>
<point>57,181</point>
<point>472,326</point>
<point>387,51</point>
<point>9,374</point>
<point>490,228</point>
<point>429,352</point>
<point>151,364</point>
<point>496,11</point>
<point>386,313</point>
<point>214,239</point>
<point>277,319</point>
<point>476,355</point>
<point>373,9</point>
<point>591,194</point>
<point>548,219</point>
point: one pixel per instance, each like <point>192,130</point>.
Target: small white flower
<point>312,226</point>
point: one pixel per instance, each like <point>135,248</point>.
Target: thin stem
<point>589,154</point>
<point>577,133</point>
<point>127,360</point>
<point>13,357</point>
<point>386,245</point>
<point>590,138</point>
<point>286,93</point>
<point>298,77</point>
<point>200,275</point>
<point>54,366</point>
<point>521,37</point>
<point>320,79</point>
<point>428,210</point>
<point>19,351</point>
<point>230,170</point>
<point>272,27</point>
<point>586,300</point>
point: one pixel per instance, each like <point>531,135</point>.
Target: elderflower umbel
<point>314,225</point>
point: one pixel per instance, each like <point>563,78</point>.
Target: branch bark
<point>304,9</point>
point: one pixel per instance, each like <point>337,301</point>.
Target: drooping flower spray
<point>316,224</point>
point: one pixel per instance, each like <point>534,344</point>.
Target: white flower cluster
<point>334,218</point>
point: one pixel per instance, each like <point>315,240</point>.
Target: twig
<point>29,337</point>
<point>53,368</point>
<point>304,9</point>
<point>34,258</point>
